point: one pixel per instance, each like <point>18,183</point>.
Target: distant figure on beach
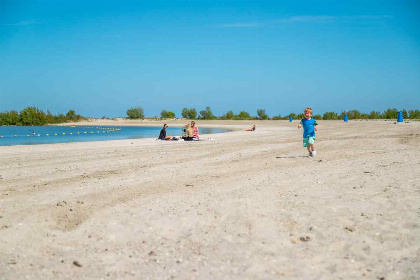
<point>162,135</point>
<point>309,127</point>
<point>195,132</point>
<point>252,128</point>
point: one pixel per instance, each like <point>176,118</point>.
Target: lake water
<point>34,135</point>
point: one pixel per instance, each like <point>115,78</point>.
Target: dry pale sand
<point>247,205</point>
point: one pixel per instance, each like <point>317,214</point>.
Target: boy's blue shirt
<point>308,127</point>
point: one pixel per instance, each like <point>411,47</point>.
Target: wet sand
<point>246,205</point>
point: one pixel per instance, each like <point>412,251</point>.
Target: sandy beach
<point>245,205</point>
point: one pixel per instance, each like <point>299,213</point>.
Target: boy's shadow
<point>293,157</point>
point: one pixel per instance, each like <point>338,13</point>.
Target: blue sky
<point>103,57</point>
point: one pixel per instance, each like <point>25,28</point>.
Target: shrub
<point>390,113</point>
<point>228,116</point>
<point>243,116</point>
<point>207,114</point>
<point>330,116</point>
<point>278,117</point>
<point>32,116</point>
<point>9,118</point>
<point>71,114</point>
<point>374,115</point>
<point>189,113</point>
<point>414,114</point>
<point>167,114</point>
<point>135,113</point>
<point>261,114</point>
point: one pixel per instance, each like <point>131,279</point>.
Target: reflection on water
<point>34,135</point>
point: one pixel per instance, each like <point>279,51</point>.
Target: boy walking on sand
<point>309,127</point>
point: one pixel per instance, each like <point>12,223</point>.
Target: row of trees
<point>207,114</point>
<point>387,114</point>
<point>35,116</point>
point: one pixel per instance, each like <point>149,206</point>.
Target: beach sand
<point>246,205</point>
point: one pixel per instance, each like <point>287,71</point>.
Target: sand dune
<point>247,205</point>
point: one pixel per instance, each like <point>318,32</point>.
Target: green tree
<point>9,118</point>
<point>135,113</point>
<point>167,114</point>
<point>390,113</point>
<point>278,117</point>
<point>373,115</point>
<point>32,116</point>
<point>414,114</point>
<point>71,114</point>
<point>261,114</point>
<point>228,116</point>
<point>189,113</point>
<point>207,114</point>
<point>243,116</point>
<point>330,116</point>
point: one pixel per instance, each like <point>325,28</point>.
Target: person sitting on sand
<point>188,134</point>
<point>195,132</point>
<point>251,129</point>
<point>162,135</point>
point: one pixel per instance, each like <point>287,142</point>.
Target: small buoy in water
<point>103,131</point>
<point>48,134</point>
<point>91,132</point>
<point>71,133</point>
<point>85,132</point>
<point>1,136</point>
<point>15,136</point>
<point>27,135</point>
<point>39,135</point>
<point>78,132</point>
<point>97,131</point>
<point>55,133</point>
<point>64,133</point>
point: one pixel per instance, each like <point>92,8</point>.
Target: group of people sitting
<point>191,133</point>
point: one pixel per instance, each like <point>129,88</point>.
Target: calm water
<point>28,135</point>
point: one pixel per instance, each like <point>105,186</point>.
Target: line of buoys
<point>106,130</point>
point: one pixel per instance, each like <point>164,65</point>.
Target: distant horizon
<point>104,57</point>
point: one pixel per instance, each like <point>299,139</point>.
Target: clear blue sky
<point>103,57</point>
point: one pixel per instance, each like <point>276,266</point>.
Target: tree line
<point>207,114</point>
<point>34,116</point>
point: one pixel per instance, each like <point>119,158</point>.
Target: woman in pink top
<point>196,133</point>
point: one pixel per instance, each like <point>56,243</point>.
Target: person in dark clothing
<point>162,135</point>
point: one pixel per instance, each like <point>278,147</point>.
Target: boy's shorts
<point>308,140</point>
